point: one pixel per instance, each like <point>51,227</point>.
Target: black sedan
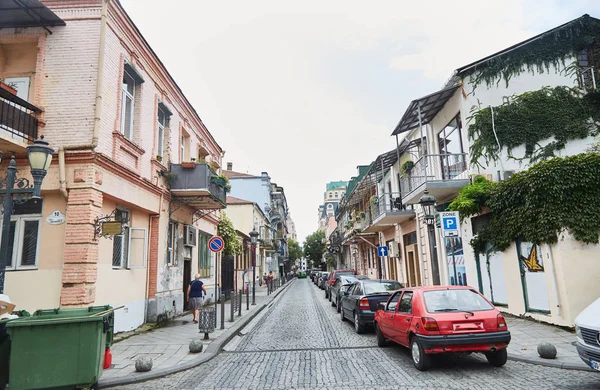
<point>342,283</point>
<point>360,301</point>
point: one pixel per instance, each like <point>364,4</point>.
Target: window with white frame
<point>127,104</point>
<point>161,124</point>
<point>182,149</point>
<point>171,243</point>
<point>121,241</point>
<point>24,236</point>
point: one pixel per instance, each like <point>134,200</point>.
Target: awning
<point>27,13</point>
<point>430,107</point>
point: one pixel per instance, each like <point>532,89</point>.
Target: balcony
<point>443,175</point>
<point>18,121</point>
<point>196,187</point>
<point>388,211</point>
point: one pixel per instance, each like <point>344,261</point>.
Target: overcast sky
<point>307,90</point>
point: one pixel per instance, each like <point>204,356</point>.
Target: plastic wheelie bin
<point>5,348</point>
<point>59,348</point>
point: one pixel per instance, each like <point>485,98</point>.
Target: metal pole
<point>248,297</point>
<point>454,262</point>
<point>232,301</point>
<point>222,311</point>
<point>11,174</point>
<point>253,274</point>
<point>434,262</point>
<point>216,284</point>
<point>240,302</point>
<point>422,142</point>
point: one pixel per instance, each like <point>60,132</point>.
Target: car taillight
<point>501,322</point>
<point>429,324</point>
<point>364,304</point>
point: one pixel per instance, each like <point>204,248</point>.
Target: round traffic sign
<point>216,244</point>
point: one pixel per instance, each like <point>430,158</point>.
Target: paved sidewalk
<point>168,346</point>
<point>527,334</point>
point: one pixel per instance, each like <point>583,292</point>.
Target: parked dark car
<point>360,301</point>
<point>314,275</point>
<point>331,279</point>
<point>323,280</point>
<point>341,284</point>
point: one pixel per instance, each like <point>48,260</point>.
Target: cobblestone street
<point>300,343</point>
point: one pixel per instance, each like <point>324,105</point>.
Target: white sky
<point>307,90</point>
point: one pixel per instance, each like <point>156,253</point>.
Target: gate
<point>227,271</point>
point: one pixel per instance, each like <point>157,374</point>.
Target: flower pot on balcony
<point>8,88</point>
<point>408,165</point>
<point>188,165</point>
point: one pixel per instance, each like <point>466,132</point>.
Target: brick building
<point>121,129</point>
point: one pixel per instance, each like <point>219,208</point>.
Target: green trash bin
<point>5,348</point>
<point>58,349</point>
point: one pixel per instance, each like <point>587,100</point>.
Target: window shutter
<point>137,248</point>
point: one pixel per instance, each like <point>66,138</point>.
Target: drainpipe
<point>424,156</point>
<point>552,271</point>
<point>97,110</point>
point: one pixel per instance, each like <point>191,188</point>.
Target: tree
<point>227,232</point>
<point>314,247</point>
<point>294,250</point>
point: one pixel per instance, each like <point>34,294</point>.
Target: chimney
<point>230,166</point>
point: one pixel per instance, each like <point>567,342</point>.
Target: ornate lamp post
<point>427,202</point>
<point>39,155</point>
<point>253,241</point>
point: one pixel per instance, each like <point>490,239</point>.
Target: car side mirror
<point>381,306</point>
<point>346,293</point>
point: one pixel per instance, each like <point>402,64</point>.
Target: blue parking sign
<point>450,225</point>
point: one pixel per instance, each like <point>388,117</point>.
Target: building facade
<point>121,128</point>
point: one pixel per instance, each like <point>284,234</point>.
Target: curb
<point>211,352</point>
<point>564,366</point>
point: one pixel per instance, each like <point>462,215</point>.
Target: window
<point>24,235</point>
<point>127,100</point>
<point>121,241</point>
<point>451,150</point>
<point>374,287</point>
<point>406,303</point>
<point>330,195</point>
<point>336,195</point>
<point>171,243</point>
<point>161,124</point>
<point>204,255</point>
<point>182,149</point>
<point>393,302</point>
<point>455,300</point>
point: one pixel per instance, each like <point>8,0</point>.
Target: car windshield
<point>379,287</point>
<point>345,272</point>
<point>454,300</point>
<point>348,280</point>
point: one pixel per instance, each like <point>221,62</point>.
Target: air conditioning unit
<point>392,249</point>
<point>190,236</point>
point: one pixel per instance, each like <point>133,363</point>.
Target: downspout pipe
<point>97,109</point>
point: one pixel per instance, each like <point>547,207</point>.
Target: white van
<point>587,328</point>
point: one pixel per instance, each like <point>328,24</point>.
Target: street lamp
<point>253,241</point>
<point>427,202</point>
<point>39,155</point>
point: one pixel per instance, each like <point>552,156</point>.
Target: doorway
<point>413,269</point>
<point>187,279</point>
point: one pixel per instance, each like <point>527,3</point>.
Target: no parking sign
<point>216,244</point>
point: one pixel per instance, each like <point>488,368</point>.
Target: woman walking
<point>194,296</point>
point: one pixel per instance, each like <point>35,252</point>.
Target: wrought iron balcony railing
<point>433,167</point>
<point>18,117</point>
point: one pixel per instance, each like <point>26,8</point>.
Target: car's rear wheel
<point>498,358</point>
<point>420,359</point>
<point>381,340</point>
<point>337,305</point>
<point>358,327</point>
<point>342,313</point>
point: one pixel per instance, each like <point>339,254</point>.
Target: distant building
<point>334,191</point>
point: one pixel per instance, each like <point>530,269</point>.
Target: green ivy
<point>537,205</point>
<point>560,113</point>
<point>225,230</point>
<point>472,198</point>
<point>550,50</point>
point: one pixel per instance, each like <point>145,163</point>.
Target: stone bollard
<point>196,346</point>
<point>546,350</point>
<point>143,364</point>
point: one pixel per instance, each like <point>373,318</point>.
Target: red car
<point>442,319</point>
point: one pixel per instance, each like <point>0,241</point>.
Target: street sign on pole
<point>382,251</point>
<point>216,244</point>
<point>450,223</point>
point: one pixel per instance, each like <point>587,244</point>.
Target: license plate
<point>595,365</point>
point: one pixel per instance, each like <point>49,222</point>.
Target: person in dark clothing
<point>195,293</point>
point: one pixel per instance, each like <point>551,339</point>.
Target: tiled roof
<point>234,200</point>
<point>233,174</point>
